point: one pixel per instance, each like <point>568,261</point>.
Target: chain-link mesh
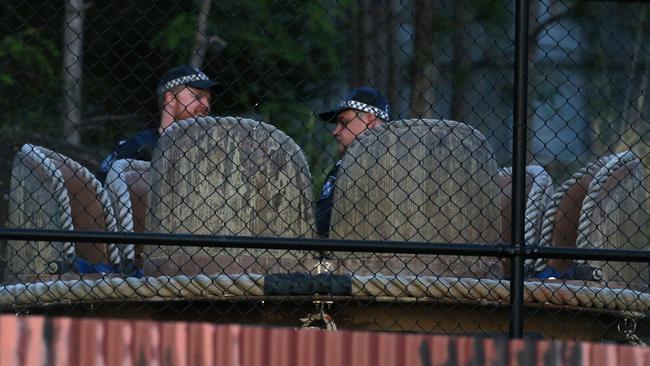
<point>332,164</point>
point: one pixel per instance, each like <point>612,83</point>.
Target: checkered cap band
<point>366,108</point>
<point>199,76</point>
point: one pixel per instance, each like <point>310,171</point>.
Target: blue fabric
<point>547,273</point>
<point>326,201</point>
<point>138,147</point>
<point>131,270</point>
<point>570,273</point>
<point>137,274</point>
<point>83,266</point>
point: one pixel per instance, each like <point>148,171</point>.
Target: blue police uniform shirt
<point>325,202</point>
<point>138,147</point>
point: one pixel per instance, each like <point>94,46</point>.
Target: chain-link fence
<point>333,164</point>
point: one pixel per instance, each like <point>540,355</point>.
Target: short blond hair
<point>175,90</point>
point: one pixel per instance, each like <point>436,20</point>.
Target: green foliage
<point>276,53</point>
<point>277,58</point>
<point>177,36</point>
<point>28,52</point>
<point>27,59</point>
<point>489,12</point>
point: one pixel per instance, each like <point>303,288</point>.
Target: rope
<point>60,194</point>
<point>117,187</point>
<point>589,205</point>
<point>131,288</point>
<point>559,293</point>
<point>541,185</point>
<point>548,223</point>
<point>383,288</point>
<point>540,191</point>
<point>121,199</point>
<point>100,193</point>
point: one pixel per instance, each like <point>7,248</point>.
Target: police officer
<point>362,109</point>
<point>183,92</point>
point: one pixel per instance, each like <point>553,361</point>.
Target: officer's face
<point>349,124</point>
<point>190,102</point>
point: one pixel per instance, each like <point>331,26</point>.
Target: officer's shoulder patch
<point>328,187</point>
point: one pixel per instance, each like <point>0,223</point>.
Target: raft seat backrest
<point>565,232</point>
<point>560,223</point>
<point>52,191</point>
<point>139,189</point>
<point>227,176</point>
<point>566,223</point>
<point>88,213</point>
<point>34,202</point>
<point>419,181</point>
<point>613,217</point>
<point>535,203</point>
<point>129,189</point>
<point>89,206</point>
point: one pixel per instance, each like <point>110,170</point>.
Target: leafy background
<point>281,61</point>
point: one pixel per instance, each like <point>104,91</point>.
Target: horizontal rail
<point>615,1</point>
<point>246,242</point>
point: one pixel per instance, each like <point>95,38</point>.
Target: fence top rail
<point>227,241</point>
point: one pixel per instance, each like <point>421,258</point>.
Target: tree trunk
<point>384,49</point>
<point>373,58</point>
<point>635,95</point>
<point>367,42</point>
<point>355,40</point>
<point>423,66</point>
<point>72,70</point>
<point>392,81</point>
<point>380,46</point>
<point>460,62</point>
<point>201,38</point>
<point>636,110</point>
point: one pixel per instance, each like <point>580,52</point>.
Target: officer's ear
<point>373,121</point>
<point>168,97</point>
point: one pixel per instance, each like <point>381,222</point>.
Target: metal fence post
<point>519,168</point>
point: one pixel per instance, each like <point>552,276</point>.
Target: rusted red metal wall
<point>67,341</point>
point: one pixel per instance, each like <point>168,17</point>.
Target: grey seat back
<point>539,189</point>
<point>602,197</point>
<point>52,191</point>
<point>613,217</point>
<point>129,186</point>
<point>227,176</point>
<point>422,181</point>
